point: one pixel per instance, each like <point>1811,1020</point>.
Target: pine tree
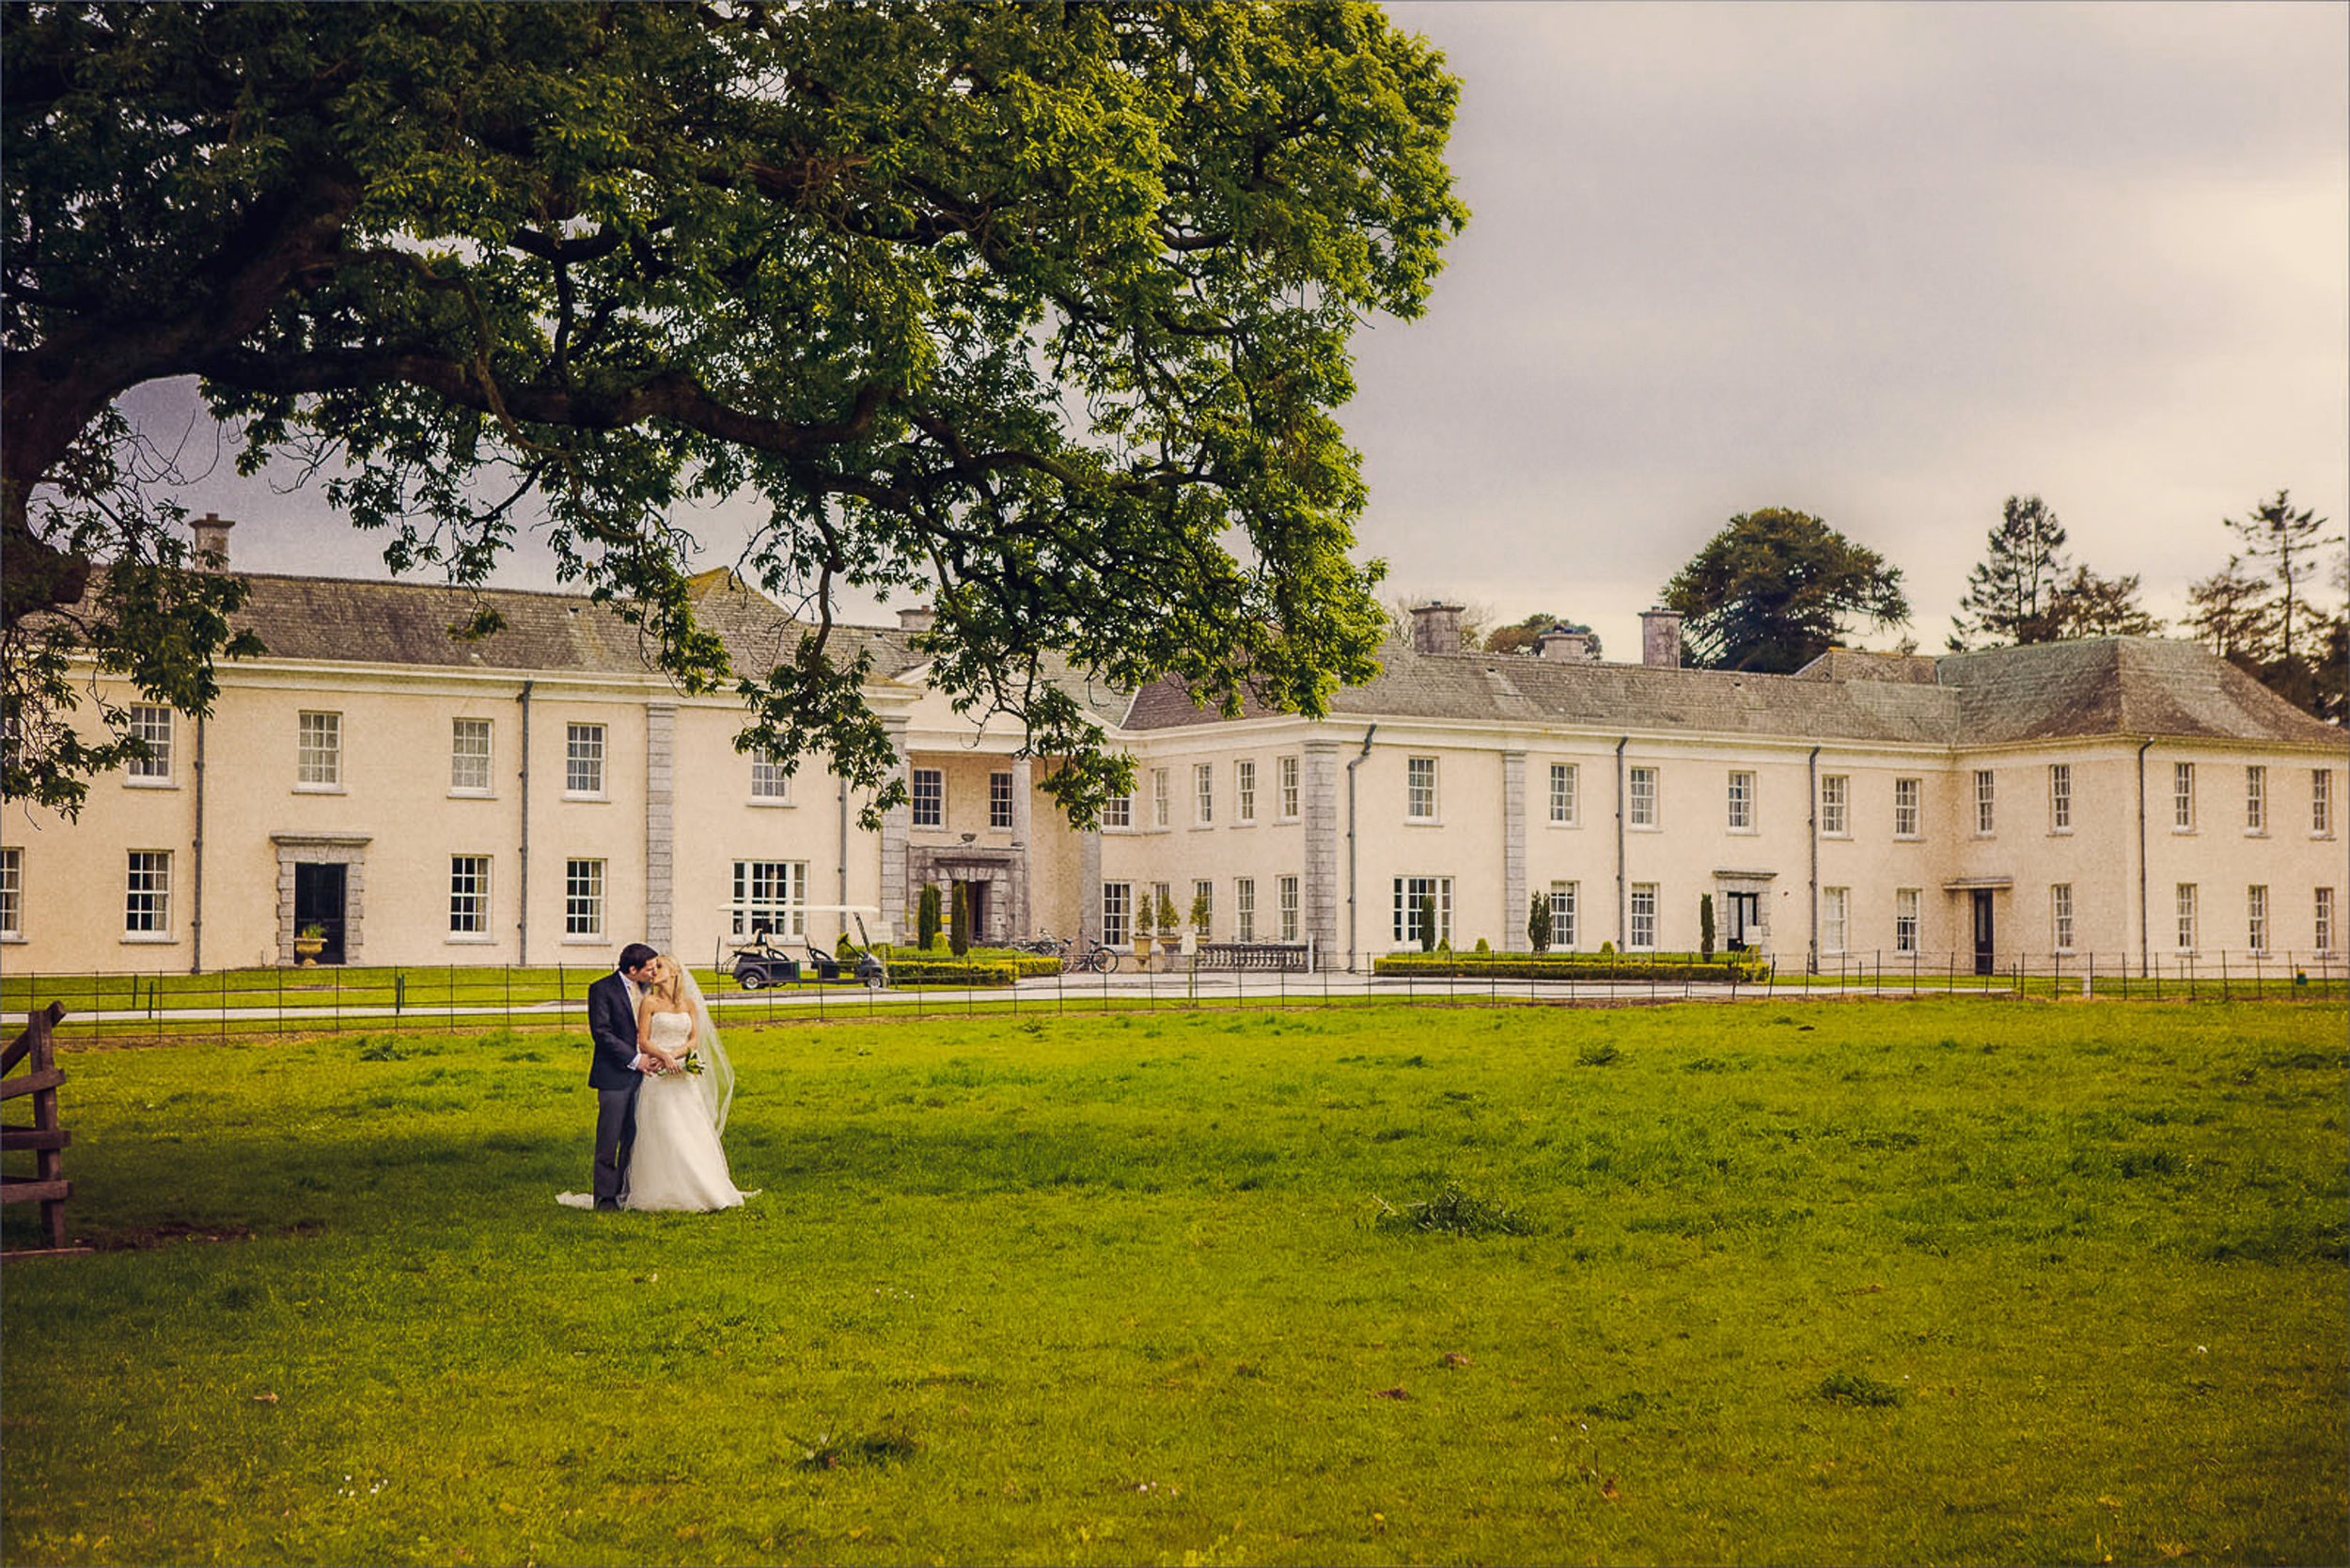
<point>2087,605</point>
<point>2233,614</point>
<point>959,921</point>
<point>1537,924</point>
<point>2286,545</point>
<point>2012,594</point>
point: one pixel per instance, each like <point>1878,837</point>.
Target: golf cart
<point>759,963</point>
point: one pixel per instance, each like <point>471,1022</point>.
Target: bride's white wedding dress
<point>678,1162</point>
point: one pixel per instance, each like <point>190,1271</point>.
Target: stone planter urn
<point>308,946</point>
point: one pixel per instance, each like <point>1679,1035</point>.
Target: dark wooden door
<point>1984,935</point>
<point>318,891</point>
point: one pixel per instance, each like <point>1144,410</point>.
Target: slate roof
<point>2120,686</point>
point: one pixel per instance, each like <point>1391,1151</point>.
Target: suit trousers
<point>616,1137</point>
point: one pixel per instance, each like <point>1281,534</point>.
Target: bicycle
<point>1095,960</point>
<point>1043,944</point>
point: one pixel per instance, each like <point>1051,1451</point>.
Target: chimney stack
<point>1660,638</point>
<point>916,618</point>
<point>1559,643</point>
<point>211,542</point>
<point>1436,628</point>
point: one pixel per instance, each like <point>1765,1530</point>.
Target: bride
<point>679,1162</point>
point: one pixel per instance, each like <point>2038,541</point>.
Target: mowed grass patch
<point>1958,1281</point>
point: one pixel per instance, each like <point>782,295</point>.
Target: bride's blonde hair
<point>671,986</point>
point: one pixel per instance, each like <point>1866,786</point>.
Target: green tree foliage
<point>926,918</point>
<point>2089,605</point>
<point>1524,636</point>
<point>1031,309</point>
<point>1775,589</point>
<point>2233,613</point>
<point>1537,927</point>
<point>1705,927</point>
<point>959,921</point>
<point>2257,611</point>
<point>2025,590</point>
<point>1427,923</point>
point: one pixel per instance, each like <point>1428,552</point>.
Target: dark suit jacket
<point>612,1031</point>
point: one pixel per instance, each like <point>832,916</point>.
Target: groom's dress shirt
<point>636,1009</point>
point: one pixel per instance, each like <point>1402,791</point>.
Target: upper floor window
<point>147,894</point>
<point>583,759</point>
<point>1420,788</point>
<point>469,756</point>
<point>1118,811</point>
<point>1835,804</point>
<point>1641,805</point>
<point>1162,808</point>
<point>1562,794</point>
<point>151,722</point>
<point>12,892</point>
<point>1288,788</point>
<point>319,750</point>
<point>1907,816</point>
<point>999,802</point>
<point>769,781</point>
<point>1741,802</point>
<point>1245,791</point>
<point>1203,786</point>
<point>930,797</point>
<point>2322,802</point>
<point>2182,797</point>
<point>2256,799</point>
<point>2059,798</point>
<point>1986,786</point>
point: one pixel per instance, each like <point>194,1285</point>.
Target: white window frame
<point>1162,799</point>
<point>2321,802</point>
<point>318,751</point>
<point>1739,801</point>
<point>1408,891</point>
<point>1245,791</point>
<point>1287,770</point>
<point>1117,812</point>
<point>151,722</point>
<point>2256,917</point>
<point>2182,797</point>
<point>1642,793</point>
<point>1912,812</point>
<point>1640,918</point>
<point>1566,909</point>
<point>1986,803</point>
<point>1117,912</point>
<point>1906,904</point>
<point>2061,916</point>
<point>2184,906</point>
<point>1835,806</point>
<point>1285,899</point>
<point>587,747</point>
<point>1203,794</point>
<point>2322,912</point>
<point>472,768</point>
<point>1835,920</point>
<point>583,900</point>
<point>933,797</point>
<point>2256,801</point>
<point>1565,791</point>
<point>1419,790</point>
<point>2059,798</point>
<point>770,784</point>
<point>1000,805</point>
<point>1202,888</point>
<point>773,891</point>
<point>146,896</point>
<point>12,893</point>
<point>469,898</point>
<point>1244,909</point>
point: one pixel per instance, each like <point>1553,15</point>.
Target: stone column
<point>661,825</point>
<point>1324,892</point>
<point>897,828</point>
<point>1022,830</point>
<point>1514,898</point>
<point>1090,886</point>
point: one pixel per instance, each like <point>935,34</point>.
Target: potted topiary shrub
<point>1146,921</point>
<point>1170,927</point>
<point>1199,931</point>
<point>309,941</point>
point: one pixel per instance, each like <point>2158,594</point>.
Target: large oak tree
<point>1777,588</point>
<point>1043,309</point>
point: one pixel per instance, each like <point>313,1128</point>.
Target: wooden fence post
<point>38,1048</point>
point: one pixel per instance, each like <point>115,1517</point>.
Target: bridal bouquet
<point>692,1062</point>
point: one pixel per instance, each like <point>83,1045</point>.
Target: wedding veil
<point>718,1076</point>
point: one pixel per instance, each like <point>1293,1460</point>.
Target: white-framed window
<point>1563,790</point>
<point>2256,917</point>
<point>2323,906</point>
<point>929,802</point>
<point>1741,805</point>
<point>2256,799</point>
<point>1244,909</point>
<point>770,783</point>
<point>469,757</point>
<point>999,802</point>
<point>1409,891</point>
<point>147,894</point>
<point>1834,919</point>
<point>1566,898</point>
<point>1245,791</point>
<point>1420,788</point>
<point>151,722</point>
<point>1909,813</point>
<point>468,895</point>
<point>11,892</point>
<point>2061,916</point>
<point>1202,898</point>
<point>2182,797</point>
<point>2059,798</point>
<point>1986,802</point>
<point>1117,910</point>
<point>1836,805</point>
<point>2322,803</point>
<point>583,761</point>
<point>318,751</point>
<point>1118,811</point>
<point>1162,804</point>
<point>1203,791</point>
<point>1287,770</point>
<point>1642,936</point>
<point>2185,907</point>
<point>1641,810</point>
<point>1905,919</point>
<point>771,893</point>
<point>1285,899</point>
<point>583,897</point>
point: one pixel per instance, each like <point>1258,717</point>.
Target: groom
<point>617,1069</point>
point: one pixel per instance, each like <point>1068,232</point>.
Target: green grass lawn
<point>1924,1281</point>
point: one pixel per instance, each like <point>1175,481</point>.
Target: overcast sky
<point>1887,264</point>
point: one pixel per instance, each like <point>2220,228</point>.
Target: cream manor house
<point>540,796</point>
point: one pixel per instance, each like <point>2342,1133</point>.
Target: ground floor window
<point>2061,916</point>
<point>1286,889</point>
<point>468,895</point>
<point>1905,920</point>
<point>1565,897</point>
<point>1642,936</point>
<point>1409,893</point>
<point>2324,932</point>
<point>147,894</point>
<point>2256,919</point>
<point>1244,909</point>
<point>1117,910</point>
<point>770,893</point>
<point>583,897</point>
<point>2186,906</point>
<point>12,893</point>
<point>1202,911</point>
<point>1834,919</point>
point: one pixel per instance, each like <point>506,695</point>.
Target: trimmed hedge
<point>1571,966</point>
<point>948,970</point>
<point>1027,965</point>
